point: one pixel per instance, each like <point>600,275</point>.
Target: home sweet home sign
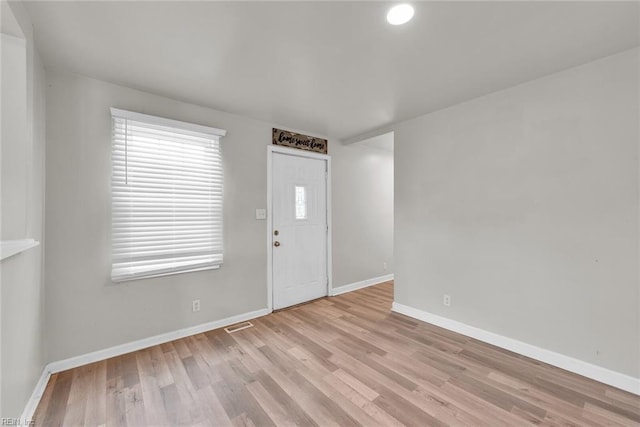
<point>297,140</point>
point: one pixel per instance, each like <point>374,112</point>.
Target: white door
<point>299,236</point>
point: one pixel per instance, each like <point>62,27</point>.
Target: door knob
<point>276,244</point>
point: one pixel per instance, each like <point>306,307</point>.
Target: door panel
<point>299,205</point>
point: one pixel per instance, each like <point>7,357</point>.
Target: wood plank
<point>213,411</point>
<point>57,406</point>
<point>367,406</point>
<point>151,389</point>
<point>236,399</point>
<point>41,410</point>
<point>273,385</point>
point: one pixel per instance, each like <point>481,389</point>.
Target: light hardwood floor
<point>345,360</point>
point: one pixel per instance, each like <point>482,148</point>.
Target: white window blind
<point>167,188</point>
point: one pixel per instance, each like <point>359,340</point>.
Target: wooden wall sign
<point>297,140</point>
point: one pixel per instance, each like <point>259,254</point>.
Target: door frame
<point>271,150</point>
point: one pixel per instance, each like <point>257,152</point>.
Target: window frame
<point>173,263</point>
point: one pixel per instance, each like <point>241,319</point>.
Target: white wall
<point>85,311</point>
<point>22,152</point>
<point>362,201</point>
<point>523,206</point>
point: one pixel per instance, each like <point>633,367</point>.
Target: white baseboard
<point>32,403</point>
<point>598,373</point>
<point>118,350</point>
<point>359,285</point>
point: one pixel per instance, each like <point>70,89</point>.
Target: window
<point>301,202</point>
<point>166,189</point>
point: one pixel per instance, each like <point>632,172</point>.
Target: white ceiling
<point>331,68</point>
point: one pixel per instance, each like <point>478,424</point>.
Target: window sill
<point>151,274</point>
<point>10,248</point>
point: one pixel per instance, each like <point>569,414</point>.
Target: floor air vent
<point>238,327</point>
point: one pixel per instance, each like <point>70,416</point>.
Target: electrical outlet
<point>446,300</point>
<point>195,305</point>
<point>384,265</point>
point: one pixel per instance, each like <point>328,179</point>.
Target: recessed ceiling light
<point>400,14</point>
